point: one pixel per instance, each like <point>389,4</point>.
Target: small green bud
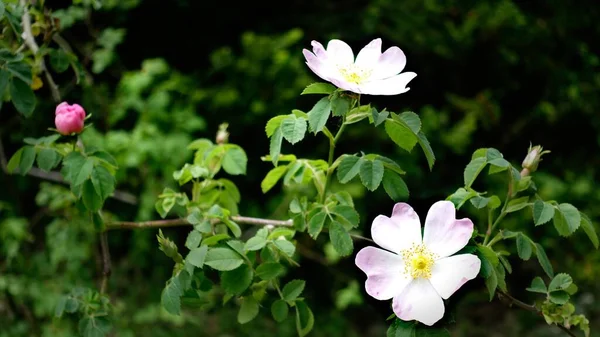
<point>534,156</point>
<point>222,134</point>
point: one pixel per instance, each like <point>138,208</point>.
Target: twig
<point>33,46</point>
<point>106,266</point>
<point>530,308</point>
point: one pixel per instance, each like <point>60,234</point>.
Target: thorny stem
<point>529,307</point>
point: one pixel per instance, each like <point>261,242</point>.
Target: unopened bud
<point>534,156</point>
<point>222,134</point>
<point>69,119</point>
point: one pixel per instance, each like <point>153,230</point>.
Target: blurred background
<point>158,74</point>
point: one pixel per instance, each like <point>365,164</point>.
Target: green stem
<point>492,226</point>
<point>330,160</point>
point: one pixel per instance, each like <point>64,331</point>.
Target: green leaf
<point>318,88</point>
<point>489,260</point>
<point>316,220</point>
<point>4,78</point>
<point>400,134</point>
<point>279,310</point>
<point>193,239</point>
<point>340,105</point>
<point>272,178</point>
<point>236,281</point>
<point>427,150</point>
<point>213,240</point>
<point>542,212</point>
<point>22,97</point>
<point>494,202</point>
<point>394,186</point>
<point>103,181</point>
<point>59,60</point>
<point>235,161</point>
<point>84,173</point>
<point>94,326</point>
<point>537,286</point>
<point>461,196</point>
<point>26,160</point>
<point>479,202</point>
<point>47,159</point>
<point>524,248</point>
<point>293,289</point>
<point>543,260</point>
<point>269,270</point>
<point>305,319</point>
<point>293,129</point>
<point>319,114</point>
<point>473,169</point>
<point>588,228</point>
<point>371,174</point>
<point>197,256</point>
<point>340,239</point>
<point>348,168</point>
<point>91,200</point>
<point>567,220</point>
<point>2,10</point>
<point>223,259</point>
<point>255,243</point>
<point>275,145</point>
<point>558,297</point>
<point>517,204</point>
<point>286,247</point>
<point>561,281</point>
<point>273,124</point>
<point>390,164</point>
<point>401,328</point>
<point>248,310</point>
<point>21,71</point>
<point>346,214</point>
<point>170,297</point>
<point>411,120</point>
<point>233,227</point>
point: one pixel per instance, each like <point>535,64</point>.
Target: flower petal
<point>390,63</point>
<point>398,232</point>
<point>390,86</point>
<point>340,52</point>
<point>384,272</point>
<point>316,65</point>
<point>450,273</point>
<point>369,56</point>
<point>319,50</point>
<point>419,301</point>
<point>444,234</point>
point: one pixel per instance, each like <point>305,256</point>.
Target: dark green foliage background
<point>496,74</point>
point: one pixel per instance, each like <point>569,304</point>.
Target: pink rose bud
<point>69,118</point>
<point>533,158</point>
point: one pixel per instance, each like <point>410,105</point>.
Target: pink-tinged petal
<point>444,234</point>
<point>368,57</point>
<point>319,50</point>
<point>342,84</point>
<point>450,273</point>
<point>390,63</point>
<point>339,52</point>
<point>318,67</point>
<point>384,272</point>
<point>400,231</point>
<point>419,301</point>
<point>390,86</point>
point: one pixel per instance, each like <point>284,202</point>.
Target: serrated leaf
<point>275,145</point>
<point>340,239</point>
<point>517,204</point>
<point>401,328</point>
<point>269,270</point>
<point>21,71</point>
<point>340,105</point>
<point>567,219</point>
<point>193,239</point>
<point>47,159</point>
<point>197,256</point>
<point>238,280</point>
<point>22,97</point>
<point>279,310</point>
<point>319,114</point>
<point>371,173</point>
<point>272,178</point>
<point>286,247</point>
<point>293,289</point>
<point>346,214</point>
<point>171,296</point>
<point>94,326</point>
<point>473,169</point>
<point>427,150</point>
<point>293,128</point>
<point>524,248</point>
<point>223,259</point>
<point>394,186</point>
<point>559,297</point>
<point>235,161</point>
<point>248,310</point>
<point>316,220</point>
<point>479,202</point>
<point>84,173</point>
<point>543,260</point>
<point>411,120</point>
<point>26,159</point>
<point>537,286</point>
<point>542,212</point>
<point>348,168</point>
<point>305,319</point>
<point>272,125</point>
<point>255,243</point>
<point>379,117</point>
<point>588,228</point>
<point>318,88</point>
<point>561,281</point>
<point>400,134</point>
<point>390,164</point>
<point>91,200</point>
<point>103,181</point>
<point>461,196</point>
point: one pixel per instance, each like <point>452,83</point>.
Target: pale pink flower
<point>418,272</point>
<point>69,118</point>
<point>372,73</point>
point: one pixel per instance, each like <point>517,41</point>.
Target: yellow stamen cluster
<point>418,261</point>
<point>354,74</point>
